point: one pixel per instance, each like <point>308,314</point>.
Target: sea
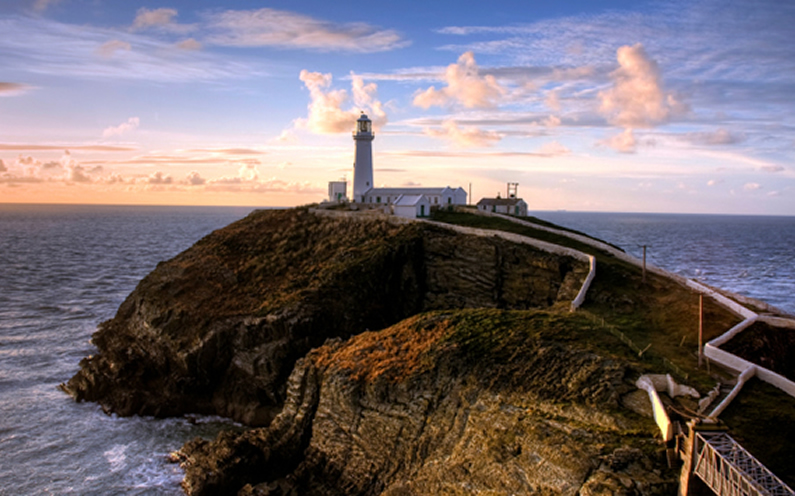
<point>66,268</point>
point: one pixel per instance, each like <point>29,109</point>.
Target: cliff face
<point>219,328</point>
<point>466,402</point>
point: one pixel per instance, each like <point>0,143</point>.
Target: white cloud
<point>66,170</point>
<point>718,137</point>
<point>22,160</point>
<point>3,167</point>
<point>551,121</point>
<point>125,127</point>
<point>279,28</point>
<point>772,168</point>
<point>74,171</point>
<point>248,172</point>
<point>42,5</point>
<point>553,149</point>
<point>465,86</point>
<point>109,48</point>
<point>464,137</point>
<point>44,46</point>
<point>637,97</point>
<point>13,89</point>
<point>365,97</point>
<point>159,178</point>
<point>156,17</point>
<point>77,174</point>
<point>624,142</point>
<point>326,114</point>
<point>51,147</point>
<point>553,100</point>
<point>752,186</point>
<point>286,136</point>
<point>195,179</point>
<point>189,44</point>
<point>162,18</point>
<point>272,185</point>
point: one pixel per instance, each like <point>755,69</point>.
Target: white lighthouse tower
<point>363,162</point>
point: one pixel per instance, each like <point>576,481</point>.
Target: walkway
<point>729,470</point>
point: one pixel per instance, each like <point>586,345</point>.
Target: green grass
<point>658,315</point>
<point>762,419</point>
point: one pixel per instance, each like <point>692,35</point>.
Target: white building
<point>337,191</point>
<point>436,196</point>
<point>365,193</point>
<point>411,206</point>
<point>512,206</point>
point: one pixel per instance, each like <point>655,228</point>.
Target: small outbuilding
<point>512,206</point>
<point>412,206</point>
<point>337,191</point>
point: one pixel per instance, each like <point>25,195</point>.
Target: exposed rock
<point>219,328</point>
<point>465,402</point>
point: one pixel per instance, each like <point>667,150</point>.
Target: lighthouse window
<point>378,199</point>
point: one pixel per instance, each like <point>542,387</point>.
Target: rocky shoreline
<point>520,414</point>
<point>268,322</point>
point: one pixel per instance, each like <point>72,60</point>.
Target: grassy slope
<point>659,314</point>
<point>664,314</point>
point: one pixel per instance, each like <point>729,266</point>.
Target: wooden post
<point>686,472</point>
<point>700,329</point>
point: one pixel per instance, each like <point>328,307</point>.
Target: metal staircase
<point>729,470</point>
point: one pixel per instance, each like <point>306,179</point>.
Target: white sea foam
<point>153,473</point>
<point>116,457</point>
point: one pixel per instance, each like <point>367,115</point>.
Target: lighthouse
<point>363,162</point>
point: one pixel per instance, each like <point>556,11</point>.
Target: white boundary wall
<point>711,349</point>
<point>487,233</point>
<point>587,284</point>
<point>660,415</point>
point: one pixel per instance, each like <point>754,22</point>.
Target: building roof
<point>410,191</point>
<point>409,200</point>
<point>500,201</point>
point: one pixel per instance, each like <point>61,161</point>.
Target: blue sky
<point>678,106</point>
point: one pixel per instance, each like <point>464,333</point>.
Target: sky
<point>630,106</point>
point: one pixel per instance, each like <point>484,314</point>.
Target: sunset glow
<point>675,106</point>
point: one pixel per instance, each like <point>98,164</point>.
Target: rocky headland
<point>372,356</point>
<point>219,328</point>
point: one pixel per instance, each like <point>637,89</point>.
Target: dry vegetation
<point>394,354</point>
